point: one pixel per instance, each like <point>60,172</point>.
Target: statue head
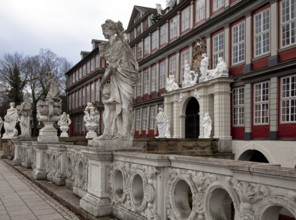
<point>111,28</point>
<point>12,104</point>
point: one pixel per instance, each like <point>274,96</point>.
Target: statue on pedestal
<point>204,66</point>
<point>220,70</point>
<point>10,121</point>
<point>190,77</point>
<point>162,124</point>
<point>24,113</point>
<point>49,110</point>
<point>64,123</point>
<point>171,85</point>
<point>122,72</point>
<point>91,118</point>
<point>207,125</point>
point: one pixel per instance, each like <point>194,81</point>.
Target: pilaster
<point>273,114</point>
<point>248,111</point>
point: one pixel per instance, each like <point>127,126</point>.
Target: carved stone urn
<point>48,112</point>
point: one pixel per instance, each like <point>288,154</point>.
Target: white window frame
<point>185,19</point>
<point>238,43</point>
<point>288,98</point>
<point>162,74</point>
<point>174,27</point>
<point>163,35</point>
<point>261,22</point>
<point>139,50</point>
<point>184,58</point>
<point>200,10</point>
<point>173,65</point>
<point>154,41</point>
<point>287,24</point>
<point>217,4</point>
<point>139,87</point>
<point>218,47</point>
<point>147,46</point>
<point>238,107</point>
<point>153,78</point>
<point>145,119</point>
<point>146,81</point>
<point>261,103</point>
<point>153,113</point>
<point>138,119</point>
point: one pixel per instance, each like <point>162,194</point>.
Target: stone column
<point>202,101</point>
<point>248,37</point>
<point>273,134</point>
<point>248,112</point>
<point>39,173</point>
<point>17,152</point>
<point>168,110</point>
<point>273,59</point>
<point>176,116</point>
<point>97,201</point>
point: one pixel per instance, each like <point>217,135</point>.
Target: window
<point>139,88</point>
<point>132,35</point>
<point>163,35</point>
<point>98,90</point>
<point>145,119</point>
<point>174,27</point>
<point>218,47</point>
<point>288,99</point>
<point>92,92</point>
<point>173,66</point>
<point>238,43</point>
<point>184,59</point>
<point>146,81</point>
<point>217,4</point>
<point>162,74</point>
<point>200,8</point>
<point>185,16</point>
<point>145,25</point>
<point>153,112</point>
<point>139,50</point>
<point>288,22</point>
<point>154,40</point>
<point>153,78</point>
<point>138,119</point>
<point>83,96</point>
<point>138,31</point>
<point>146,46</point>
<point>262,32</point>
<point>97,61</point>
<point>93,64</point>
<point>238,106</point>
<point>261,103</point>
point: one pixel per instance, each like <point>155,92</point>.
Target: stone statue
<point>91,118</point>
<point>64,123</point>
<point>24,116</point>
<point>162,124</point>
<point>170,4</point>
<point>10,121</point>
<point>52,86</point>
<point>190,77</point>
<point>157,17</point>
<point>204,65</point>
<point>207,125</point>
<point>220,70</point>
<point>49,110</point>
<point>171,85</point>
<point>123,75</point>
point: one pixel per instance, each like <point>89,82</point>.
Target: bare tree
<point>36,69</point>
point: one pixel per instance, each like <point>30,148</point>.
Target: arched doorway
<point>254,156</point>
<point>192,119</point>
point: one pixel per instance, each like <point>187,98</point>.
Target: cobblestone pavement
<point>22,199</point>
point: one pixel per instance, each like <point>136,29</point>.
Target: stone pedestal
<point>17,153</point>
<point>91,134</point>
<point>39,172</point>
<point>111,145</point>
<point>64,129</point>
<point>48,133</point>
<point>8,150</point>
<point>97,201</point>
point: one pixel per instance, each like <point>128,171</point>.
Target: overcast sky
<point>66,27</point>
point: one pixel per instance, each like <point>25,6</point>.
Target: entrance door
<point>192,119</point>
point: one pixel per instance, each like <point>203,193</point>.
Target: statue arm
<point>106,76</point>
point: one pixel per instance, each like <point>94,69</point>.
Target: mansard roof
<point>141,12</point>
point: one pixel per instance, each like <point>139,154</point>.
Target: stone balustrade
<point>135,185</point>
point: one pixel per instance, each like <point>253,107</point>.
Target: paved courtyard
<point>21,199</point>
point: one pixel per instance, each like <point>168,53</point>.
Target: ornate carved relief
<point>81,171</point>
<point>139,183</point>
